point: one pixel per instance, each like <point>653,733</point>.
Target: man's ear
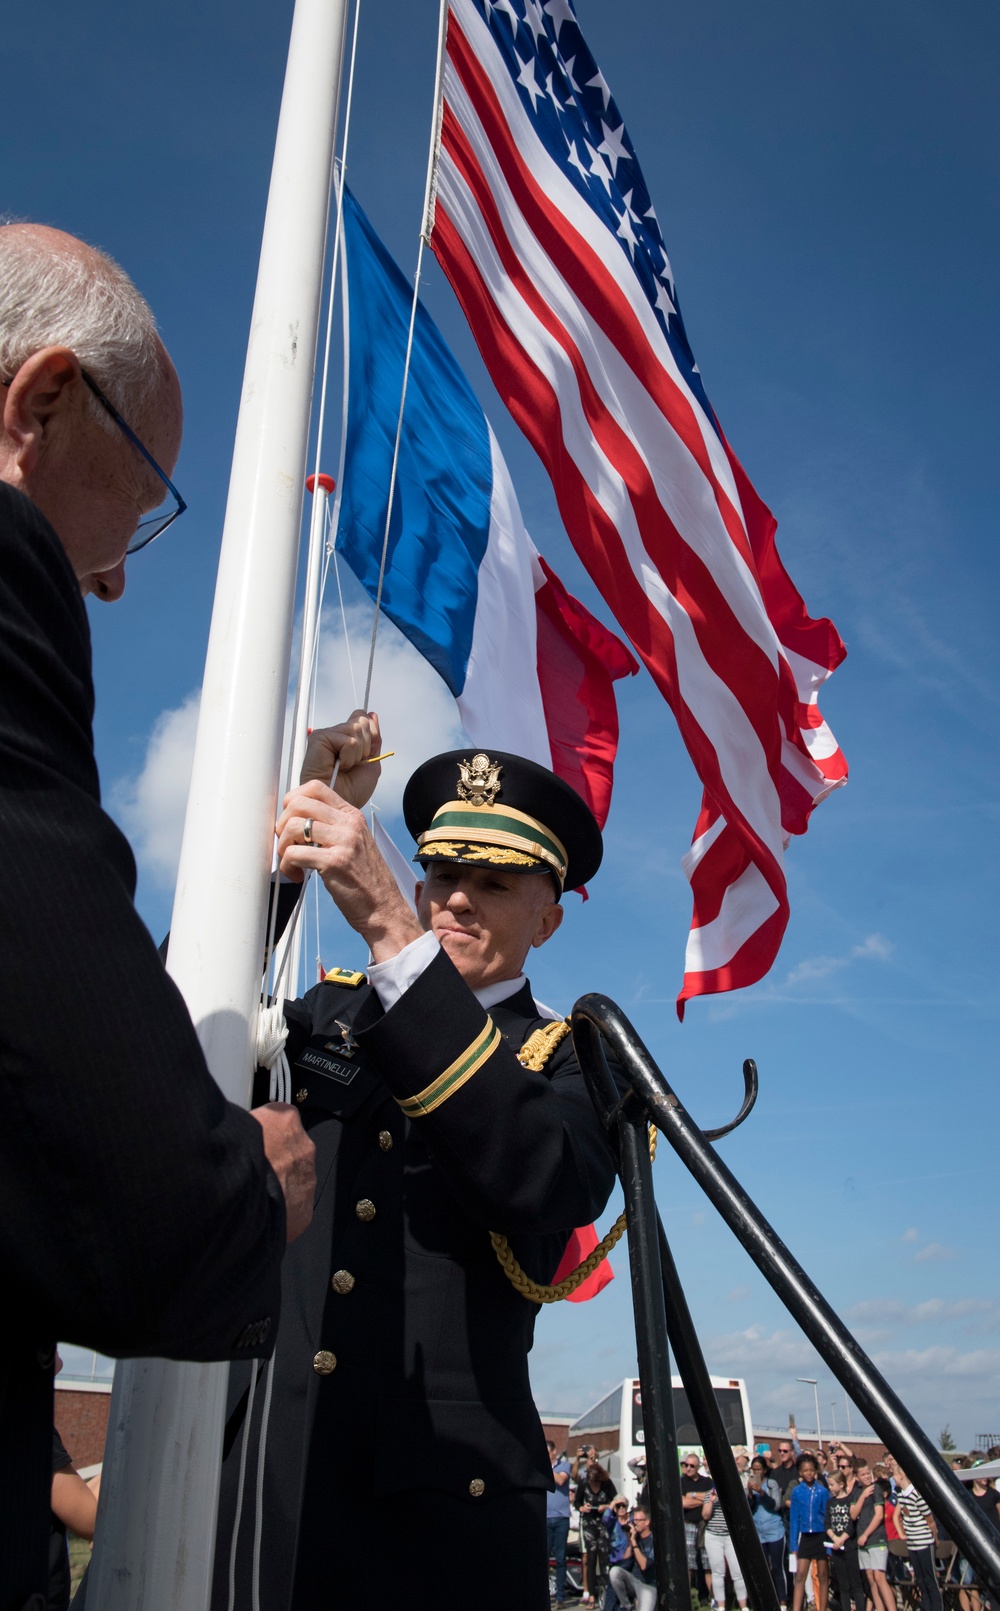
<point>44,387</point>
<point>549,920</point>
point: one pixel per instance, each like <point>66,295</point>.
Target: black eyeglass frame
<point>142,542</point>
<point>139,542</point>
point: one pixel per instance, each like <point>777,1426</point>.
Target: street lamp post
<point>811,1381</point>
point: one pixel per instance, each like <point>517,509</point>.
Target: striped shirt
<point>914,1514</point>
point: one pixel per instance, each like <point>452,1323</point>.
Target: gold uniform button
<point>365,1209</point>
<point>324,1362</point>
<point>385,1140</point>
<point>477,1487</point>
<point>342,1282</point>
<point>300,1096</point>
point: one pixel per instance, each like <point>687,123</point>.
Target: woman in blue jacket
<point>807,1532</point>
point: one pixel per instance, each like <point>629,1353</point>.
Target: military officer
<point>444,1106</point>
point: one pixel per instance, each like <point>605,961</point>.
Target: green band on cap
<point>503,826</point>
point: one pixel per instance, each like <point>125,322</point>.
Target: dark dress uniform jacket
<point>405,1462</point>
<point>138,1214</point>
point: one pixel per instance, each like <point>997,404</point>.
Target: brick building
<point>82,1419</point>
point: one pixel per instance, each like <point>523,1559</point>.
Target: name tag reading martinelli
<point>334,1057</point>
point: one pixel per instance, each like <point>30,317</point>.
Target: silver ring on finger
<point>307,832</point>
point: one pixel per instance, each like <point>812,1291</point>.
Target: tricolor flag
<point>546,230</point>
<point>531,669</point>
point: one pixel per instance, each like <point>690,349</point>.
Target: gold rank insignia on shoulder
<point>344,976</point>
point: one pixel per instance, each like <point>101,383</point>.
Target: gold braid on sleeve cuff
<point>454,1076</point>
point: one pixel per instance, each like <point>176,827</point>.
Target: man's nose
<point>109,585</point>
<point>458,900</point>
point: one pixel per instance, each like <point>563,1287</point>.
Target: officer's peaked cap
<point>494,809</point>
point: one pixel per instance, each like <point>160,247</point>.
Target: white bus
<point>614,1425</point>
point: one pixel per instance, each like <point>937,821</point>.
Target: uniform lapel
<point>517,1016</point>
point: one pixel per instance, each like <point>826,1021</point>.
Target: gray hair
<point>53,295</point>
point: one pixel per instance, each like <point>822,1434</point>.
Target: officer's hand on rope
<point>292,1156</point>
<point>353,743</point>
<point>320,831</point>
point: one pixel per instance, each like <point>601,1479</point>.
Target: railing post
<point>705,1408</point>
<point>597,1021</point>
<point>662,1464</point>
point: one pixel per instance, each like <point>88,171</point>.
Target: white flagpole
<point>159,1492</point>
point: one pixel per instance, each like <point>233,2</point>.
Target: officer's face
<point>487,919</point>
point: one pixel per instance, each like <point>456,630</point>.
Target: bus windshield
<point>730,1404</point>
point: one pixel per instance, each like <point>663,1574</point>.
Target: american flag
<point>546,230</point>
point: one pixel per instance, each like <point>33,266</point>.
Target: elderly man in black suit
<point>140,1212</point>
<point>445,1106</point>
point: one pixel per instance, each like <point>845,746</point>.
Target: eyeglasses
<point>163,517</point>
<point>155,524</point>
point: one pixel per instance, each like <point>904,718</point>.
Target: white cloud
<point>810,971</point>
<point>923,1365</point>
<point>939,1383</point>
<point>874,947</point>
<point>911,1234</point>
<point>893,1312</point>
<point>756,1348</point>
<point>933,1252</point>
<point>151,806</point>
<point>417,712</point>
<point>418,716</point>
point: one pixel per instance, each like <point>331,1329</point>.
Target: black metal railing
<point>662,1320</point>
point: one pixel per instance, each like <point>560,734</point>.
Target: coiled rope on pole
<point>534,1054</point>
<point>271,1033</point>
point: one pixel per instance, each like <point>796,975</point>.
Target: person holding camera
<point>593,1496</point>
<point>636,1585</point>
<point>765,1502</point>
<point>616,1522</point>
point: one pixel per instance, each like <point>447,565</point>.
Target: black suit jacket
<point>401,1369</point>
<point>138,1214</point>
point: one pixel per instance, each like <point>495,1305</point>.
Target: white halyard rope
<point>271,1030</point>
<point>426,224</point>
<point>269,1051</point>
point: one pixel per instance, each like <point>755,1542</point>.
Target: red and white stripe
<point>541,672</point>
<point>655,503</point>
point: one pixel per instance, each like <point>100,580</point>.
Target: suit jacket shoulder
<point>137,1212</point>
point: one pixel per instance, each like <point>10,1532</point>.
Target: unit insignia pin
<point>347,1045</point>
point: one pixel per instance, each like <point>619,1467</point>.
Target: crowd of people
<point>616,1544</point>
<point>834,1530</point>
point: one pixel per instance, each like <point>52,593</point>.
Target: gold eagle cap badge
<point>479,780</point>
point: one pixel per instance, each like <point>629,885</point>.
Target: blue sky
<point>826,180</point>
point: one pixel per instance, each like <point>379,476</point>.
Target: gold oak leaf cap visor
<point>499,810</point>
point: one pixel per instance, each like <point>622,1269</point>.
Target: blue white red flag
<point>532,671</point>
<point>546,230</point>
